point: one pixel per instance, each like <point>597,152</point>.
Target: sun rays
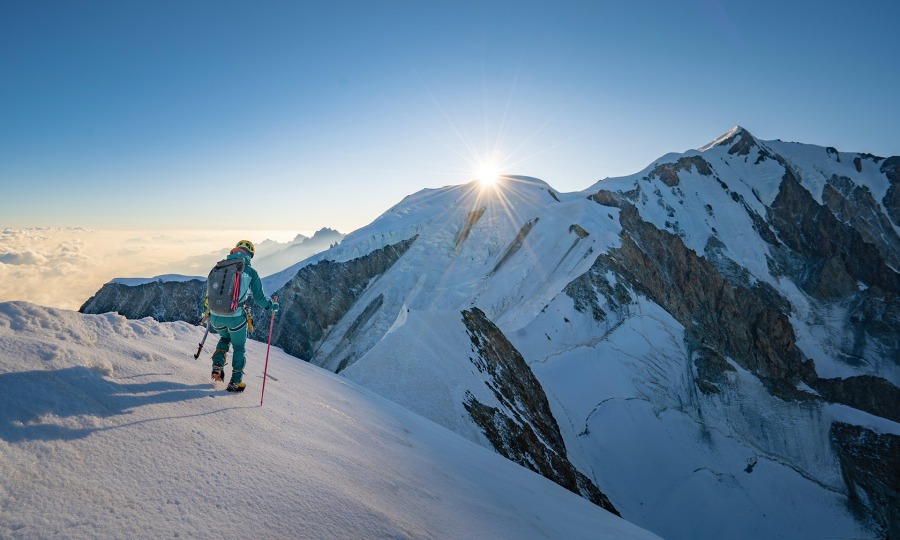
<point>490,150</point>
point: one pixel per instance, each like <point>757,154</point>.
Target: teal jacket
<point>256,287</point>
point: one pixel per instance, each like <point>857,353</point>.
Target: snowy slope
<point>740,463</point>
<point>498,249</point>
<point>110,429</point>
<point>426,351</point>
<point>628,410</point>
<point>670,456</point>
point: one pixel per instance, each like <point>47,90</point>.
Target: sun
<point>488,173</point>
<point>489,169</point>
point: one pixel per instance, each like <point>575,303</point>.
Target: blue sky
<point>158,114</point>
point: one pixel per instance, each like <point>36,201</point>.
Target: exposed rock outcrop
<point>615,199</point>
<point>891,168</point>
<point>319,295</point>
<point>578,230</point>
<point>668,172</point>
<point>865,392</point>
<point>874,314</point>
<point>471,220</point>
<point>829,256</point>
<point>523,429</point>
<point>829,245</point>
<point>587,290</point>
<point>854,205</point>
<point>165,301</point>
<point>870,463</point>
<point>745,142</point>
<point>747,323</point>
<point>711,369</point>
<point>515,245</point>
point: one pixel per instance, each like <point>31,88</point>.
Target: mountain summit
<point>737,132</point>
<point>709,346</point>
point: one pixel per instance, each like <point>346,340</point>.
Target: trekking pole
<point>268,347</point>
<point>202,341</point>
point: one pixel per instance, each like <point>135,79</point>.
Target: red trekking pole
<point>268,347</point>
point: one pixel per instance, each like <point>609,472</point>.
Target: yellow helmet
<point>247,246</point>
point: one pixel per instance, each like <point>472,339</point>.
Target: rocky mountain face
<point>832,257</point>
<point>864,455</point>
<point>320,295</point>
<point>522,428</point>
<point>165,301</point>
<point>710,346</point>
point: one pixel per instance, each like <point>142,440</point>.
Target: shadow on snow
<point>56,404</point>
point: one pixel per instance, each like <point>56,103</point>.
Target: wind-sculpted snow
<point>109,429</point>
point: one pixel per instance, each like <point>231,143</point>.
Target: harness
<point>248,322</point>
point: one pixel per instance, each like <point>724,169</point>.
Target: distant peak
<point>745,140</point>
<point>737,132</point>
<point>325,231</point>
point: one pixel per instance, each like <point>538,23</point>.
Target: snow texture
<point>630,413</point>
<point>110,429</point>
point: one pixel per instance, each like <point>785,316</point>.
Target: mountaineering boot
<point>218,369</point>
<point>218,373</point>
<point>236,386</point>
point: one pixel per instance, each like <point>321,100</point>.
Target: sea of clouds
<point>63,267</point>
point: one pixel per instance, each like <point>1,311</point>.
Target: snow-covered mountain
<point>276,257</point>
<point>712,343</point>
<point>110,429</point>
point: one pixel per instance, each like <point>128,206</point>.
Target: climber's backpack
<point>226,286</point>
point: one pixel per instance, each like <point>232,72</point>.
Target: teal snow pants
<point>232,331</point>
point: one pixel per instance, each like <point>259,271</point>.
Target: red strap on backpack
<point>235,296</point>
